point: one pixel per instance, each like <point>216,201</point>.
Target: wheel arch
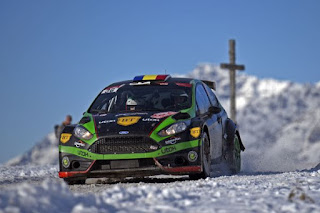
<point>231,131</point>
<point>206,130</point>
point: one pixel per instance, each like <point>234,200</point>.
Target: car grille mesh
<point>134,144</point>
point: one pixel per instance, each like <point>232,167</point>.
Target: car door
<point>203,104</point>
<point>218,128</point>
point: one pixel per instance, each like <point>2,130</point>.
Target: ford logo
<point>123,132</point>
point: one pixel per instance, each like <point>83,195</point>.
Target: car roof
<point>170,80</point>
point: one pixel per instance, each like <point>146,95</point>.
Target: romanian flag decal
<point>151,78</point>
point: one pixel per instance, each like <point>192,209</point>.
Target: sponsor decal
<point>130,114</point>
<point>65,162</point>
<point>162,114</point>
<point>129,120</point>
<point>172,141</point>
<point>123,132</point>
<point>184,84</point>
<point>65,137</point>
<point>107,121</point>
<point>79,144</point>
<point>195,132</point>
<point>192,156</point>
<point>83,154</point>
<point>140,83</point>
<point>111,89</point>
<point>163,83</point>
<point>102,115</point>
<point>167,150</point>
<point>151,119</point>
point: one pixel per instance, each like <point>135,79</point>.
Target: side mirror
<point>214,110</point>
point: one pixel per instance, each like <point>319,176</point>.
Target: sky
<point>55,56</point>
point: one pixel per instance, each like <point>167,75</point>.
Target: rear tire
<point>205,159</point>
<point>235,156</point>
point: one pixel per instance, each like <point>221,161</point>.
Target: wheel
<point>205,158</point>
<point>71,181</point>
<point>235,156</point>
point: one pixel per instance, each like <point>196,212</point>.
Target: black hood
<point>112,124</point>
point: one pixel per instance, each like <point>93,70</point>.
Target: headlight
<point>173,129</point>
<point>82,133</point>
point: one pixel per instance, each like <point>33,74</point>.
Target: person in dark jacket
<point>59,128</point>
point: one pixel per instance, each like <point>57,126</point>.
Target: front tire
<point>71,181</point>
<point>205,159</point>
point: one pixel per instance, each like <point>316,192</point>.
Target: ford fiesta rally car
<point>153,124</point>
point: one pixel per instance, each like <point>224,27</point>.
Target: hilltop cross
<point>232,67</point>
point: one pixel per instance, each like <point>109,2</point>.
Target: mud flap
<point>242,148</point>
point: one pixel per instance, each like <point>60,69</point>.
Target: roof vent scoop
<point>210,84</point>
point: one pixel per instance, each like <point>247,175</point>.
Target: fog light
<point>192,156</point>
<point>65,162</point>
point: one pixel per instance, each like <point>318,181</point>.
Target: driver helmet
<point>180,98</point>
<point>131,102</point>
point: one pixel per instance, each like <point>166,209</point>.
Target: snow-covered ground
<point>279,123</point>
<point>38,189</point>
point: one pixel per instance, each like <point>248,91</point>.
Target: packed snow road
<point>38,189</point>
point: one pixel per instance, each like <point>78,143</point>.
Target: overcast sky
<point>55,56</point>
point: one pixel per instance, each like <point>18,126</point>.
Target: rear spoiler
<point>210,84</point>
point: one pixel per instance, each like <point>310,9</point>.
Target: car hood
<point>138,123</point>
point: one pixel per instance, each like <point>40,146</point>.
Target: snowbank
<point>279,192</point>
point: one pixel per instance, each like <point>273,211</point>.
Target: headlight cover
<point>82,133</point>
<point>173,129</point>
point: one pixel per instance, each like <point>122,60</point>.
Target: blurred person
<point>59,128</point>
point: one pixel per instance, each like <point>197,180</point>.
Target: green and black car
<point>153,124</point>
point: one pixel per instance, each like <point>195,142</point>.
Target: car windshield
<point>155,97</point>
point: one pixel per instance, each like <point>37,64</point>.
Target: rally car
<point>153,124</point>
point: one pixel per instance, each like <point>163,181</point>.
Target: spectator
<point>58,129</point>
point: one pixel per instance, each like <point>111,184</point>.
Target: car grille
<point>121,145</point>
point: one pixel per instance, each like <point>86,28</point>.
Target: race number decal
<point>195,132</point>
<point>127,121</point>
<point>65,137</point>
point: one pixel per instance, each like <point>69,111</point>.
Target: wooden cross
<point>232,67</point>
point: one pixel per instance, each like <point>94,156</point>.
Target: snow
<point>44,153</point>
<point>246,192</point>
<point>279,123</point>
<point>17,174</point>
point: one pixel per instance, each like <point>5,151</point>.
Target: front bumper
<point>165,161</point>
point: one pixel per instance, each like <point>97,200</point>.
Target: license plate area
<point>124,164</point>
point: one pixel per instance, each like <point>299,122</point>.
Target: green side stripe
<point>161,152</point>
